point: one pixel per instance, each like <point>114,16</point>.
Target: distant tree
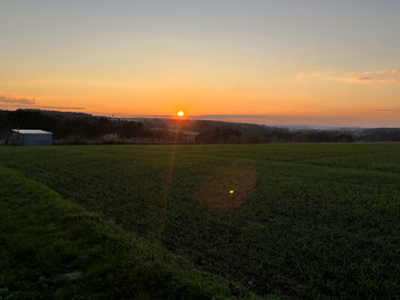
<point>319,136</point>
<point>166,134</point>
<point>179,137</point>
<point>228,134</point>
<point>344,138</point>
<point>209,137</point>
<point>130,129</point>
<point>250,138</point>
<point>233,139</point>
<point>103,126</point>
<point>277,135</point>
<point>273,140</point>
<point>299,137</point>
<point>381,135</point>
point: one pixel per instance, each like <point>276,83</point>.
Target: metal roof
<point>31,131</point>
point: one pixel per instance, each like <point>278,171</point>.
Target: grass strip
<point>54,248</point>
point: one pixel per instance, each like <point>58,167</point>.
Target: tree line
<point>272,135</point>
<point>64,125</point>
<point>80,127</point>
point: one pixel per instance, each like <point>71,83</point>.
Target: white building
<point>29,137</point>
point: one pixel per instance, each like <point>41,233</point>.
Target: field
<point>285,221</point>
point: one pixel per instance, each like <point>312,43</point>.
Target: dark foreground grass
<point>295,221</point>
<point>52,248</point>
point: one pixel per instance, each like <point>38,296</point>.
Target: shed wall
<point>38,140</point>
<point>32,139</point>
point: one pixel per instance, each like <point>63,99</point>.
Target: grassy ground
<point>307,221</point>
<point>51,248</point>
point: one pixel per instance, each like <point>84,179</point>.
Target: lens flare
<point>228,187</point>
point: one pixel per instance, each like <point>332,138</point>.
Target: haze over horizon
<point>331,63</point>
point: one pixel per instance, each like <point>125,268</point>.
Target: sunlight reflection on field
<point>227,188</point>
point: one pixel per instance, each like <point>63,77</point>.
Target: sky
<point>308,62</point>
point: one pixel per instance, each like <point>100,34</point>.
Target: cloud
<point>387,110</point>
<point>123,115</point>
<point>63,107</point>
<point>378,76</point>
<point>383,72</point>
<point>319,75</point>
<point>240,117</point>
<point>17,101</point>
<point>22,102</point>
<point>372,80</point>
<point>363,79</point>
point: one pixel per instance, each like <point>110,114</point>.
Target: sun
<point>180,113</point>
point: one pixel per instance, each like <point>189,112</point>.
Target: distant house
<point>28,137</point>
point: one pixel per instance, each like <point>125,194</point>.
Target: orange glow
<point>275,104</point>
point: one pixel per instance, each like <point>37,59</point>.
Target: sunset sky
<point>320,62</point>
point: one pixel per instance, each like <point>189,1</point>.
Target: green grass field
<point>286,221</point>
